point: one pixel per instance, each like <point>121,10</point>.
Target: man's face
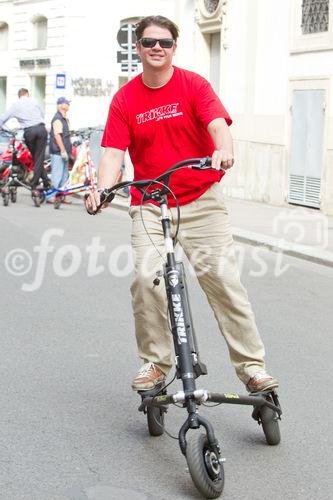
<point>156,57</point>
<point>63,107</point>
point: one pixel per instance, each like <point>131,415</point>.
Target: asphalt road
<point>69,425</point>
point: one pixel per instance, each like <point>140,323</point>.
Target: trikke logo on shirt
<point>161,113</point>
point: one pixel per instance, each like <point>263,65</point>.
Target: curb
<point>304,252</point>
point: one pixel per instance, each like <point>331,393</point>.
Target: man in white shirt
<point>30,117</point>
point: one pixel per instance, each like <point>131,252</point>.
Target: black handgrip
<point>106,196</point>
<point>204,164</point>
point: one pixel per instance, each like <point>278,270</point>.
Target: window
<point>38,89</point>
<point>122,80</point>
<point>3,35</point>
<point>311,25</point>
<point>210,15</point>
<point>211,5</point>
<point>315,14</point>
<point>40,33</point>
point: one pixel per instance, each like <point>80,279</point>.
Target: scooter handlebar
<point>194,163</point>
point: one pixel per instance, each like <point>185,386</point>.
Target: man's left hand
<point>222,159</point>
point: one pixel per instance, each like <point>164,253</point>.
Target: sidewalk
<point>298,231</point>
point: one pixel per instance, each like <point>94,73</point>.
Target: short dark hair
<point>22,92</point>
<point>161,21</point>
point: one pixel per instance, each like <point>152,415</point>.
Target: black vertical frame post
<point>176,304</point>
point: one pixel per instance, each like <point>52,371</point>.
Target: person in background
<point>30,117</point>
<point>124,192</point>
<point>60,146</point>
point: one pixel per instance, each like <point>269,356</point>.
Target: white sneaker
<point>261,381</point>
<point>148,377</point>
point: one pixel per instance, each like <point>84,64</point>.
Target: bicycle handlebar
<point>194,163</point>
<point>11,132</point>
<point>86,132</point>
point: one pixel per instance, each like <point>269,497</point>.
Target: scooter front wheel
<point>206,471</point>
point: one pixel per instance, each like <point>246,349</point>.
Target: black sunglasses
<point>165,43</point>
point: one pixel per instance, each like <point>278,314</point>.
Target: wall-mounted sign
<point>92,87</point>
<point>126,67</point>
<point>32,63</point>
<point>27,62</point>
<point>45,61</point>
<point>60,81</point>
<point>122,57</point>
<point>128,58</point>
<point>126,36</point>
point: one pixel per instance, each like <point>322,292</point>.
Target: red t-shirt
<point>163,126</point>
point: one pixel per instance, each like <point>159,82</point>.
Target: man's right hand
<point>64,155</point>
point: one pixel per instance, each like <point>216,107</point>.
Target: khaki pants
<point>205,236</point>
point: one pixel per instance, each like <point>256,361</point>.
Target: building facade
<point>54,48</point>
<point>270,62</point>
<point>275,68</point>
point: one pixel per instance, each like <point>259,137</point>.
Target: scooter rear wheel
<point>155,420</point>
<point>206,471</point>
<point>270,425</point>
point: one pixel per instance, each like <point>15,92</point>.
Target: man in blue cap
<point>60,145</point>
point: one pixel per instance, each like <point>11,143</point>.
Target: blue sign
<point>60,81</point>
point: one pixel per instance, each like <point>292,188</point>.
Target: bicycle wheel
<point>57,202</point>
<point>270,425</point>
<point>155,420</point>
<point>42,197</point>
<point>5,197</point>
<point>206,472</point>
<point>36,200</point>
<point>13,196</point>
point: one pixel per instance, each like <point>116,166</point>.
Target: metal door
<point>306,160</point>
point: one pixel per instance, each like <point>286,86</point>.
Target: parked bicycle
<point>202,450</point>
<point>82,177</point>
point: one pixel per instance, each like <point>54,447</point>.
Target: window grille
<point>211,5</point>
<point>315,14</point>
